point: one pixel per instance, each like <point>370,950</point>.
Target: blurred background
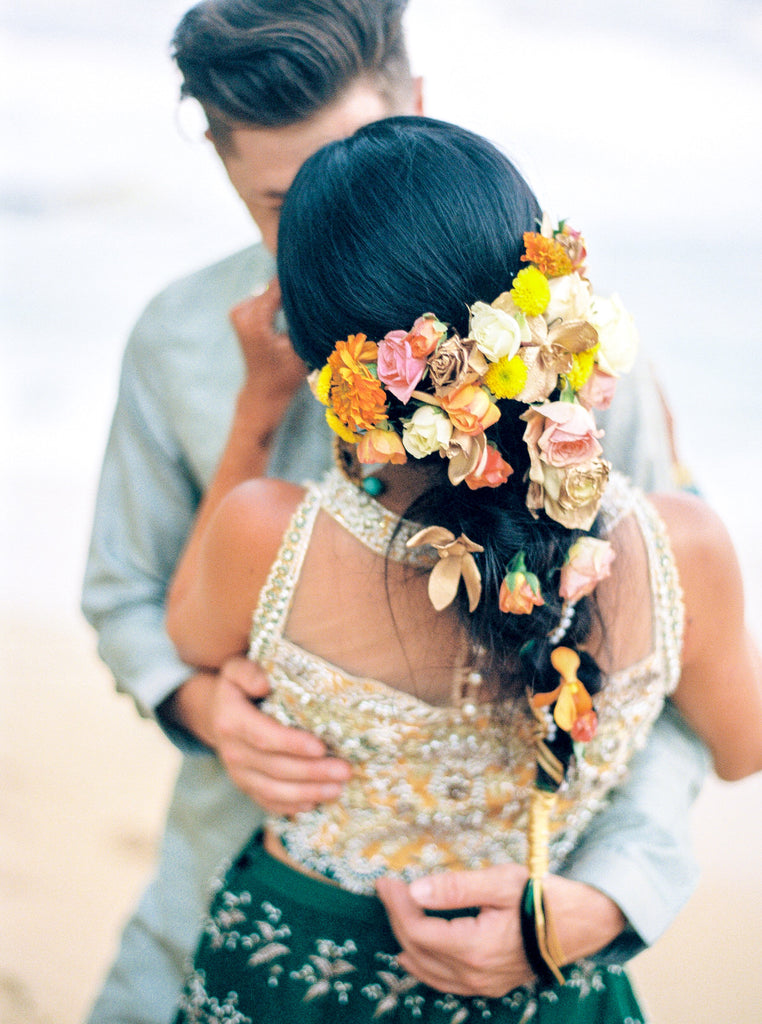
<point>638,122</point>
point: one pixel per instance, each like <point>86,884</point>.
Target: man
<point>277,81</point>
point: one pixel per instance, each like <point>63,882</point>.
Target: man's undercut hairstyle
<point>270,63</point>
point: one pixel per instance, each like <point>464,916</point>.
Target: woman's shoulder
<point>254,516</point>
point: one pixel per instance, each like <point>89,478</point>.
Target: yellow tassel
<point>538,862</point>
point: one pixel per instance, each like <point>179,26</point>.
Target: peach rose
<point>569,298</point>
<point>398,368</point>
<point>491,471</point>
<point>561,434</point>
<point>598,390</point>
<point>470,409</point>
<point>587,563</point>
<point>379,445</point>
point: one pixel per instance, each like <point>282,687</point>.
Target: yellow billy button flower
<point>507,377</point>
<point>340,428</point>
<point>583,364</point>
<point>322,385</point>
<point>531,291</point>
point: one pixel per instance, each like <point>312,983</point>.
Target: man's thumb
<point>497,886</point>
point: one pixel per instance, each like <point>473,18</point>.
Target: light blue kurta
<point>181,372</point>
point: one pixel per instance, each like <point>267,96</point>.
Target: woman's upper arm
<point>210,618</point>
<point>720,687</point>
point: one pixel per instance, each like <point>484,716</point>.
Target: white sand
<point>84,787</point>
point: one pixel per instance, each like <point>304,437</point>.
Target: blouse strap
<point>276,596</point>
<point>667,607</point>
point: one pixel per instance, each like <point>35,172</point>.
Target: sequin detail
<point>444,787</point>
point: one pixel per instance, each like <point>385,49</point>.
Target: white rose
<point>617,335</point>
<point>569,298</point>
<point>427,430</point>
<point>497,333</point>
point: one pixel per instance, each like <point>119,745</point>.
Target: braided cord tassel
<point>533,901</point>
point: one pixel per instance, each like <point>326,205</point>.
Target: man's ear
<point>418,94</point>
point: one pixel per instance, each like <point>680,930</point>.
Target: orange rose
<point>491,470</point>
<point>470,409</point>
<point>380,445</point>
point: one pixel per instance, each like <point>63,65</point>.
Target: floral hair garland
<point>548,342</point>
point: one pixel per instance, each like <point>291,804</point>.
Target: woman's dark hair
<point>272,63</point>
<point>410,216</point>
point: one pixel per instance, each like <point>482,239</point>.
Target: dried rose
<point>570,496</point>
<point>449,365</point>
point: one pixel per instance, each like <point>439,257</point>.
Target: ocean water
<point>640,125</point>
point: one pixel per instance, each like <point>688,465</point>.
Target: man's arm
<point>148,497</point>
<point>617,892</point>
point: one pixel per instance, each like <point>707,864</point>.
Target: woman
<point>469,608</point>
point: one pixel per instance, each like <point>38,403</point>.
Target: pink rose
<point>424,335</point>
<point>490,471</point>
<point>587,563</point>
<point>562,434</point>
<point>598,391</point>
<point>470,409</point>
<point>398,368</point>
<point>379,445</point>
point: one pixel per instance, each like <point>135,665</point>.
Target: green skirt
<point>281,947</point>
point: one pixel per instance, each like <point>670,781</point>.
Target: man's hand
<point>283,770</point>
<point>469,956</point>
<point>484,955</point>
<point>272,366</point>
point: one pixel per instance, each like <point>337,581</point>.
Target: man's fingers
<point>498,886</point>
<point>256,313</point>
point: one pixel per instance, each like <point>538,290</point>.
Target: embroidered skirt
<point>283,948</point>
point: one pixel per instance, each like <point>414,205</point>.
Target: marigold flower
<point>531,291</point>
<point>506,378</point>
<point>547,254</point>
<point>357,396</point>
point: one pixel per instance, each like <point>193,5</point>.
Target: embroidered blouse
<point>440,787</point>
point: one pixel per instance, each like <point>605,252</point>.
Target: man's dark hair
<point>271,63</point>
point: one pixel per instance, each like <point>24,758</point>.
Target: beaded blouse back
<point>439,785</point>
